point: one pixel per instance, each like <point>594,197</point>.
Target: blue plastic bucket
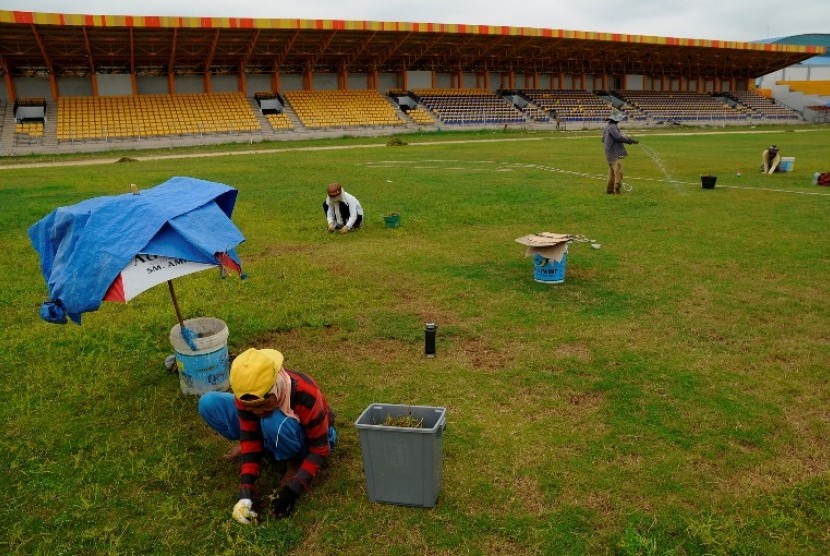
<point>548,271</point>
<point>787,164</point>
<point>206,368</point>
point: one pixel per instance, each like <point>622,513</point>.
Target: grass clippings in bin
<point>407,421</point>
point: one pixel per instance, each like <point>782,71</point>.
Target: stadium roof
<point>820,39</point>
<point>72,44</point>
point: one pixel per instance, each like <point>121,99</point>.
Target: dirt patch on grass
<point>305,339</point>
<point>479,354</point>
<point>532,496</point>
<point>600,503</point>
<point>408,300</point>
<point>580,352</point>
<point>799,460</point>
<point>585,402</point>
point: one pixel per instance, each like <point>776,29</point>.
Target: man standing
<point>613,140</point>
<point>275,412</point>
<point>343,211</point>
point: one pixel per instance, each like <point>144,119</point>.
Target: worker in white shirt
<point>343,211</point>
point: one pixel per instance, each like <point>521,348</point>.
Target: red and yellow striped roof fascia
<point>28,18</point>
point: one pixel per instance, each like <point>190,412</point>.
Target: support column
<point>134,83</point>
<point>171,84</point>
<point>308,80</point>
<point>242,83</point>
<point>208,86</point>
<point>53,86</point>
<point>94,79</point>
<point>11,92</point>
<point>403,79</point>
<point>275,82</point>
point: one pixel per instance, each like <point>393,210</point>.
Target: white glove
<point>242,512</point>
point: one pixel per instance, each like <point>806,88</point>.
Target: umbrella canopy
<point>115,247</point>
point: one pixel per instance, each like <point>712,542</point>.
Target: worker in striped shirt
<point>271,411</point>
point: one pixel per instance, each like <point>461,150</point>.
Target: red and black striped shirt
<point>312,409</point>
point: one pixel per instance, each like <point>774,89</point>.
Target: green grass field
<point>670,397</point>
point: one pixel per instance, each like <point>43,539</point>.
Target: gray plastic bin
<point>402,465</point>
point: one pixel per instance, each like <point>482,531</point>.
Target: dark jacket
<point>613,140</point>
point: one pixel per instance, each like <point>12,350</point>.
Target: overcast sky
<point>735,20</point>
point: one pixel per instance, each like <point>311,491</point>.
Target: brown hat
<point>334,189</point>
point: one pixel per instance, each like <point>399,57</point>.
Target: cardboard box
<point>550,245</point>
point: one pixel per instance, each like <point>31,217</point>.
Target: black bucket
<point>708,181</point>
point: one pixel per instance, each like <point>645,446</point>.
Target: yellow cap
<point>254,372</point>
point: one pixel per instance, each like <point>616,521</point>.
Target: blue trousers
<point>283,437</point>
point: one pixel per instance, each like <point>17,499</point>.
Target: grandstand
<point>342,108</point>
<point>119,117</point>
<point>759,106</point>
<point>681,107</point>
<point>569,105</point>
<point>421,116</point>
<point>280,121</point>
<point>469,106</point>
<point>79,81</point>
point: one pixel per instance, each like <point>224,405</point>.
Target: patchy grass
<point>668,398</point>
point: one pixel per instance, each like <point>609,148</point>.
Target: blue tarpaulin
<point>84,247</point>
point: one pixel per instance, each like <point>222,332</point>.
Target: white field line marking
<point>509,166</point>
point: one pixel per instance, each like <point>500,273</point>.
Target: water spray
<point>658,161</point>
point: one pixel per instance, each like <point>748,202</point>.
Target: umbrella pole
<point>176,304</point>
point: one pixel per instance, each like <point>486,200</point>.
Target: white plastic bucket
<point>205,369</point>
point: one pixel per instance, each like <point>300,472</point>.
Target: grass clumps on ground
<point>404,421</point>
